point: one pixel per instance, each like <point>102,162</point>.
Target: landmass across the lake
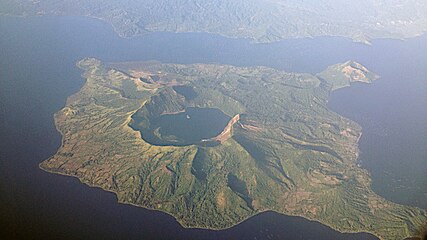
<point>277,146</point>
<point>261,20</point>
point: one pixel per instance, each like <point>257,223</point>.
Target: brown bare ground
<point>221,201</point>
<point>355,74</point>
<point>226,133</point>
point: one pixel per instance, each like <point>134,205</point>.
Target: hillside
<point>260,20</point>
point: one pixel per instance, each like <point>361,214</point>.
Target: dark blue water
<point>37,74</point>
<point>186,91</point>
<point>194,124</point>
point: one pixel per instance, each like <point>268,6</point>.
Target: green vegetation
<point>261,20</point>
<point>287,151</point>
<point>342,75</point>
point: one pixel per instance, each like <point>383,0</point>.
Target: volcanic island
<point>214,145</point>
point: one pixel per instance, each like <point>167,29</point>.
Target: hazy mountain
<point>261,20</point>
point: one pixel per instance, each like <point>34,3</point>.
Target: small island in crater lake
<point>213,145</point>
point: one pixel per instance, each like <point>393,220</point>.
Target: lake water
<point>38,73</point>
<point>185,128</point>
<point>186,91</point>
